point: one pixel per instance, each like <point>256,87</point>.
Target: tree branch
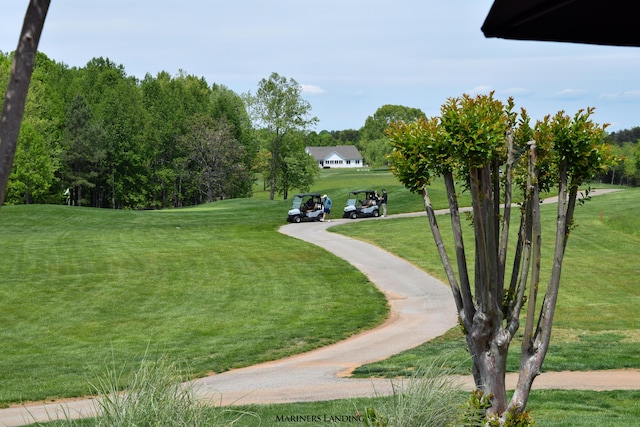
<point>451,276</point>
<point>463,273</point>
<point>520,271</point>
<point>506,217</point>
<point>535,252</point>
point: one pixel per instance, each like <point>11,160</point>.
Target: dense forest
<point>94,136</point>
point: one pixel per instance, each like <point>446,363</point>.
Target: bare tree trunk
<point>16,96</point>
<point>15,99</point>
<point>275,154</point>
<point>488,341</point>
<point>527,344</point>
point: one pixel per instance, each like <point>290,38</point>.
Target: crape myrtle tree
<point>481,143</point>
<point>279,108</point>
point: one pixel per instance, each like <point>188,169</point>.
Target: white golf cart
<point>306,207</point>
<point>362,203</point>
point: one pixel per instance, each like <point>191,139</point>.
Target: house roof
<point>347,152</point>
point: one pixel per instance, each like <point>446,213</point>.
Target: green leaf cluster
<point>470,133</point>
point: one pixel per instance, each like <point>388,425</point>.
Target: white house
<point>341,156</point>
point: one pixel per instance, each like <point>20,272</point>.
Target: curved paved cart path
<point>421,308</point>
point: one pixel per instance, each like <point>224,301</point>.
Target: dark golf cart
<point>306,207</point>
<point>362,203</point>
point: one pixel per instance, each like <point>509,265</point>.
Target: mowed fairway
<point>213,287</point>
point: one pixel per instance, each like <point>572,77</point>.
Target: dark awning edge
<point>602,22</point>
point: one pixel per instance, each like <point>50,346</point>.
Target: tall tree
<point>227,106</point>
<point>32,175</point>
<point>299,169</point>
<point>278,107</point>
<point>625,135</point>
<point>624,168</point>
<point>168,107</point>
<point>84,151</point>
<point>116,103</point>
<point>215,158</point>
<point>373,143</point>
<point>375,125</point>
<point>14,101</point>
<point>478,141</point>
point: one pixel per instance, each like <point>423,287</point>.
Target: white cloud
<point>513,91</point>
<point>570,93</point>
<point>629,94</point>
<point>482,89</point>
<point>312,90</point>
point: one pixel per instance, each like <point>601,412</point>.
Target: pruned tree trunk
<point>16,96</point>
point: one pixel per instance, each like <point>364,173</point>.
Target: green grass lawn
<point>214,287</point>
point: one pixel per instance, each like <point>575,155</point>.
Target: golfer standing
<point>384,202</point>
<point>326,203</point>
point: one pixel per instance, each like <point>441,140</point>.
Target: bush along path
<point>421,308</point>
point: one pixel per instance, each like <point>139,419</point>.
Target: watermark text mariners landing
<point>326,418</point>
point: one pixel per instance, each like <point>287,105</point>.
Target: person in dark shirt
<point>383,200</point>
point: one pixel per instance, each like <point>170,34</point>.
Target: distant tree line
<point>94,136</point>
<point>625,147</point>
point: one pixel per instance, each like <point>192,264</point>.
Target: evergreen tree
<point>84,153</point>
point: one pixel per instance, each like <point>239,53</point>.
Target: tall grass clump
<point>155,396</point>
<point>430,397</point>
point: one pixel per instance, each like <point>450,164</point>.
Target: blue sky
<point>350,56</point>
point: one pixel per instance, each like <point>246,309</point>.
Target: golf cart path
<point>421,308</point>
